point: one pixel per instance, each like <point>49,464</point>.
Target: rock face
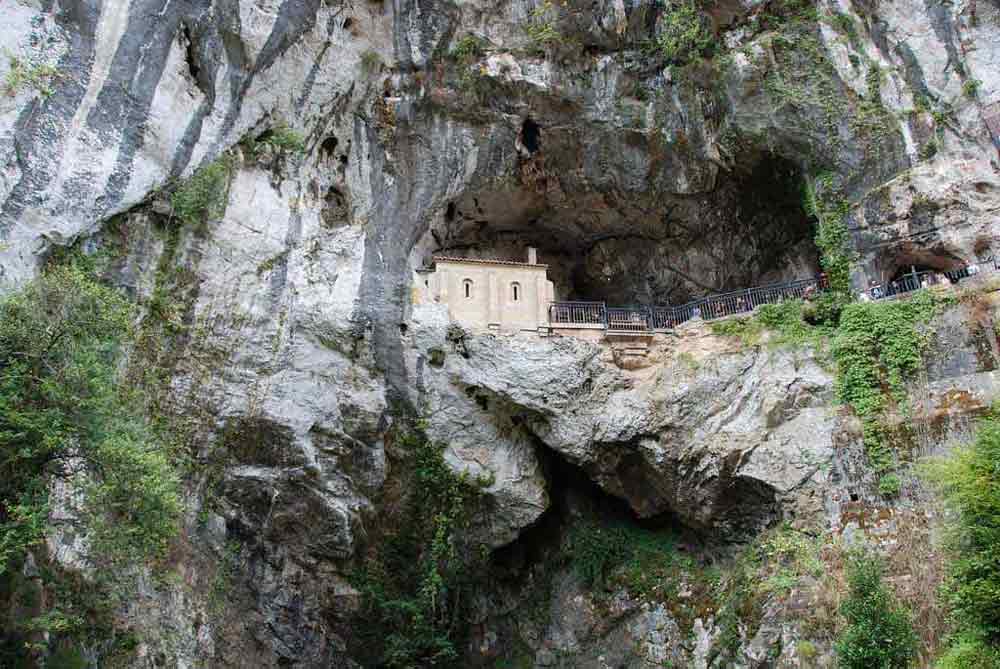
<point>480,127</point>
<point>726,438</point>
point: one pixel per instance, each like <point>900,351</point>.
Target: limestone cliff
<point>646,167</point>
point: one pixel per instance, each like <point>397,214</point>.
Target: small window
<point>467,288</point>
<point>515,292</point>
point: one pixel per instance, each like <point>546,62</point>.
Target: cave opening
<point>751,230</point>
<point>531,135</point>
<point>575,498</point>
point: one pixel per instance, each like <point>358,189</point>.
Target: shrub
<point>879,634</point>
<point>969,653</point>
<point>283,137</point>
<point>970,482</point>
<point>64,415</point>
<point>597,549</point>
<point>22,73</point>
<point>542,28</point>
<point>685,34</point>
<point>889,485</point>
<point>970,87</point>
<point>370,62</point>
<point>203,196</point>
<point>468,48</point>
<point>417,587</point>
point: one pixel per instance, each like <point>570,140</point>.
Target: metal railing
<point>578,313</point>
<point>629,319</point>
<point>929,278</point>
<point>651,318</point>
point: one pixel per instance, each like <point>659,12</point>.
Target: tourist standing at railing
<point>876,290</point>
<point>695,313</point>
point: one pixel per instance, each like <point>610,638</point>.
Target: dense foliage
<point>686,34</point>
<point>416,587</point>
<point>970,482</point>
<point>878,346</point>
<point>203,196</point>
<point>879,633</point>
<point>63,418</point>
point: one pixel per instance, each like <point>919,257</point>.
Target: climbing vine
<point>823,201</point>
<point>416,583</point>
<point>878,347</point>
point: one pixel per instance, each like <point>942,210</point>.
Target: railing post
<point>604,314</point>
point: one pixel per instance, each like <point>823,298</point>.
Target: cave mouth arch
<point>643,247</point>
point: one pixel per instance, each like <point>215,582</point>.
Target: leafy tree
<point>62,415</point>
<point>970,481</point>
<point>879,632</point>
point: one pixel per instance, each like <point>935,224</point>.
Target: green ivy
<point>822,200</point>
<point>877,346</point>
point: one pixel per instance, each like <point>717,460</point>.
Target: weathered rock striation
<point>478,128</point>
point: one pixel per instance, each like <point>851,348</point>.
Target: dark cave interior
<point>752,229</point>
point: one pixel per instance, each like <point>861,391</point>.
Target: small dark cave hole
<point>329,147</point>
<point>348,23</point>
<point>449,212</point>
<point>190,54</point>
<point>531,135</point>
<point>343,159</point>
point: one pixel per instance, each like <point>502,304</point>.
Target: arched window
<point>467,288</point>
<point>515,291</point>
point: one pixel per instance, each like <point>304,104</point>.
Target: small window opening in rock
<point>449,213</point>
<point>348,22</point>
<point>515,292</point>
<point>467,288</point>
<point>343,159</point>
<point>854,497</point>
<point>531,135</point>
<point>190,55</point>
<point>403,327</point>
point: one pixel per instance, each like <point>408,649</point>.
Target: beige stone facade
<point>490,294</point>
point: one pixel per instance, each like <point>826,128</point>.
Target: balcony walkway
<point>637,320</point>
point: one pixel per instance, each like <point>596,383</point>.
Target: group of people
<point>876,291</point>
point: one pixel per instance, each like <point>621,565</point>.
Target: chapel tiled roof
<point>488,261</point>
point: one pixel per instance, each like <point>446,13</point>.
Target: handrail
<point>647,318</point>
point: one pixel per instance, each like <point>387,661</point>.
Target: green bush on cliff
<point>63,416</point>
<point>879,633</point>
<point>969,480</point>
<point>203,196</point>
<point>685,35</point>
<point>417,586</point>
